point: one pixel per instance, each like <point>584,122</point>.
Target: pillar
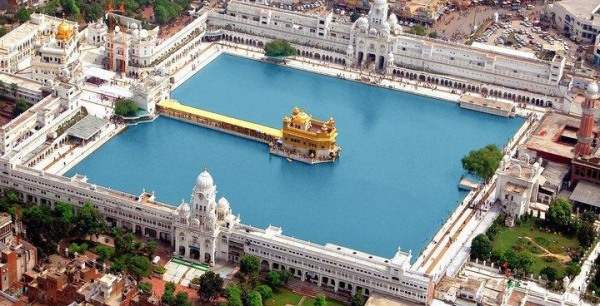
<point>336,286</point>
<point>319,280</point>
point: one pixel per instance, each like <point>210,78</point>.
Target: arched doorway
<point>194,253</point>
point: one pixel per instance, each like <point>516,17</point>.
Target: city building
<point>377,42</point>
<point>58,58</point>
<point>517,186</point>
<point>205,230</point>
<point>578,19</point>
<point>17,46</point>
<point>17,257</point>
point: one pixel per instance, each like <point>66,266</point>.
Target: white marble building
<point>377,42</point>
<point>17,46</point>
<point>205,230</point>
<point>517,186</point>
<point>58,58</point>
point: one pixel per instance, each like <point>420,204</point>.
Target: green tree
<point>139,266</point>
<point>20,106</point>
<point>182,299</point>
<point>119,264</point>
<point>433,34</point>
<point>145,288</point>
<point>549,273</point>
<point>254,299</point>
<point>23,15</point>
<point>234,295</point>
<point>418,30</point>
<point>573,268</point>
<point>88,220</point>
<point>559,213</point>
<point>168,296</point>
<point>92,11</point>
<point>586,234</point>
<point>320,300</point>
<point>71,8</point>
<point>3,31</point>
<point>525,262</point>
<point>483,162</point>
<point>265,291</point>
<point>249,265</point>
<point>211,285</point>
<point>104,252</point>
<point>279,48</point>
<point>150,247</point>
<point>481,247</point>
<point>65,215</point>
<point>125,108</point>
<point>358,299</point>
<point>78,248</point>
<point>274,279</point>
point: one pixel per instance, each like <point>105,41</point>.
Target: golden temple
<point>308,139</point>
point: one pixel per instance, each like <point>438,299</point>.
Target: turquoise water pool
<point>394,185</point>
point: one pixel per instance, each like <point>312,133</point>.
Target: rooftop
<point>586,193</point>
<point>581,8</point>
<point>503,50</point>
<point>548,137</point>
<point>87,127</point>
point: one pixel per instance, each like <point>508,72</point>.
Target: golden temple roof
<point>299,117</point>
<point>64,31</point>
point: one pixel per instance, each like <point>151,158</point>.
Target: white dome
<point>362,23</point>
<point>223,204</point>
<point>373,31</point>
<point>381,2</point>
<point>393,20</point>
<point>204,181</point>
<point>592,90</point>
<point>195,222</point>
<point>184,210</point>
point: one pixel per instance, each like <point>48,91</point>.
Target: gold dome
<point>299,117</point>
<point>64,31</point>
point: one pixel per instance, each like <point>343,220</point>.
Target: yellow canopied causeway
<point>173,108</point>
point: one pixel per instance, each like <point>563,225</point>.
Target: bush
<point>234,296</point>
<point>160,270</point>
<point>125,108</point>
<point>249,265</point>
<point>265,291</point>
<point>274,279</point>
<point>549,274</point>
<point>78,248</point>
<point>104,252</point>
<point>145,288</point>
<point>254,299</point>
<point>483,162</point>
<point>481,247</point>
<point>279,48</point>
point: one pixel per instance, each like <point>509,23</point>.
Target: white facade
<point>38,124</point>
<point>17,46</point>
<point>517,185</point>
<point>206,230</point>
<point>377,42</point>
<point>56,59</point>
<point>579,19</point>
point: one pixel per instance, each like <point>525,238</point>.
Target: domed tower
<point>203,198</point>
<point>378,15</point>
<point>585,134</point>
